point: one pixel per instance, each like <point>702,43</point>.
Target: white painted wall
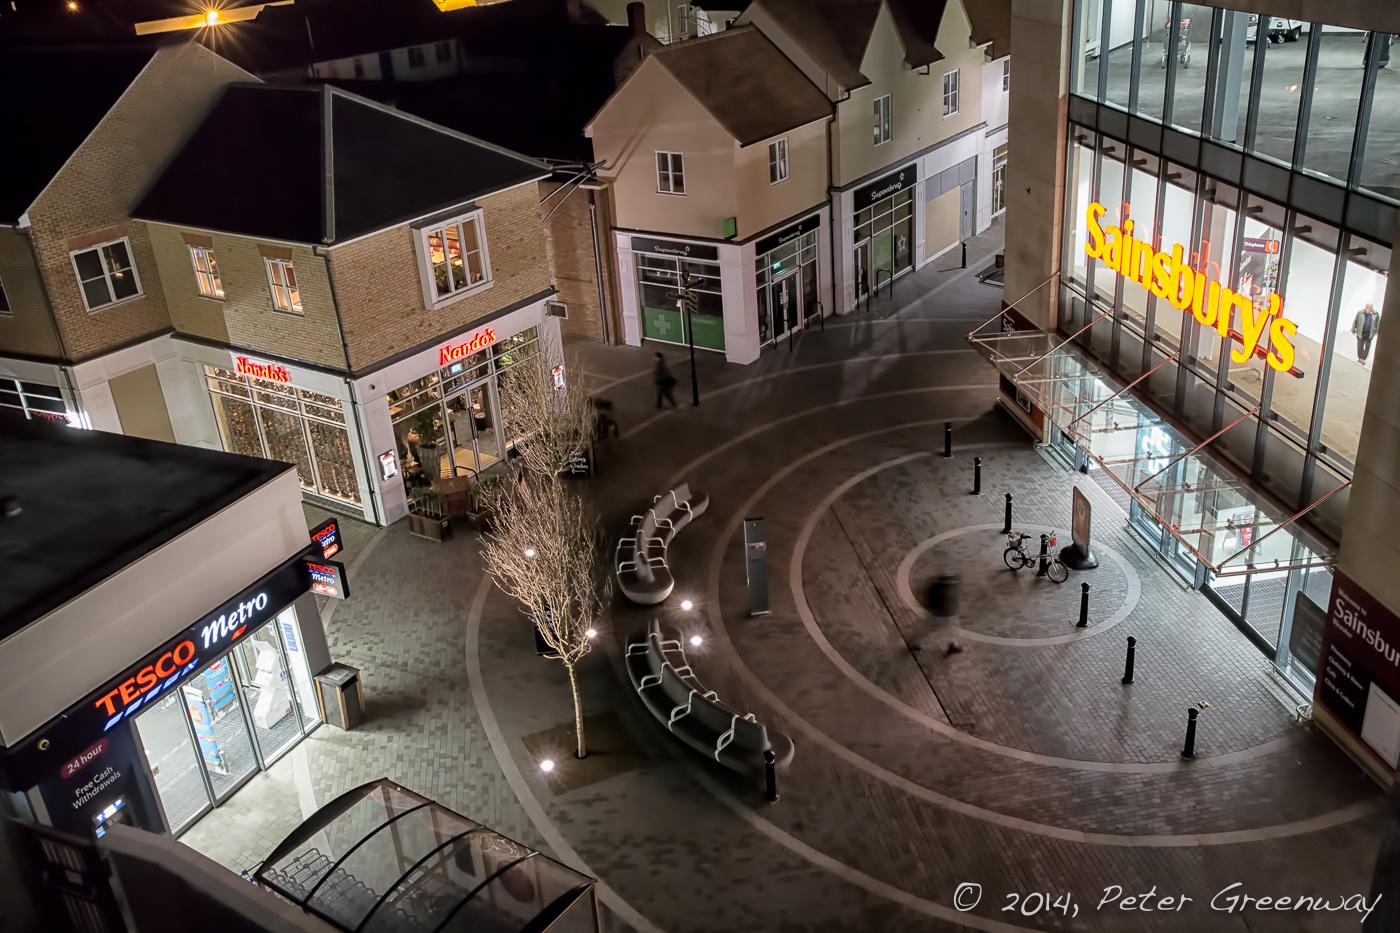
<point>54,662</point>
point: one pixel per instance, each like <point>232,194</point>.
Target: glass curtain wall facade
<point>1269,150</point>
<point>262,418</point>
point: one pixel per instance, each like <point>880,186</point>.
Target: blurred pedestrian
<point>665,382</point>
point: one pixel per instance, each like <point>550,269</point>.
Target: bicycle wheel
<point>1057,571</point>
<point>1015,558</point>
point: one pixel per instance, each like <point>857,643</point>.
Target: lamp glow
<point>211,18</point>
<point>591,633</point>
<point>547,765</point>
<point>529,552</point>
<point>696,641</point>
<point>687,605</point>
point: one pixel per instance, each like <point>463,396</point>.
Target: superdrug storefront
<point>180,731</point>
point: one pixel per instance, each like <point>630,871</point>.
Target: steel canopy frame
<point>1038,386</point>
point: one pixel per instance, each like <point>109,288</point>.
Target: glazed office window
<point>1006,75</point>
<point>454,256</point>
<point>1311,259</point>
<point>1085,60</point>
<point>1145,213</point>
<point>1353,353</point>
<point>415,57</point>
<point>1280,89</point>
<point>950,93</point>
<point>282,280</point>
<point>1193,44</point>
<point>670,173</point>
<point>1078,195</point>
<point>1379,171</point>
<point>999,179</point>
<point>106,274</point>
<point>1341,69</point>
<point>206,272</point>
<point>884,120</point>
<point>1174,225</point>
<point>777,161</point>
<point>1257,270</point>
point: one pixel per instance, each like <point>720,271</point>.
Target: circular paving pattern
<point>994,600</point>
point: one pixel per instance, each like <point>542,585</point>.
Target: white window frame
<point>283,294</point>
<point>670,173</point>
<point>426,273</point>
<point>107,273</point>
<point>216,282</point>
<point>1006,75</point>
<point>999,181</point>
<point>952,93</point>
<point>778,161</point>
<point>884,119</point>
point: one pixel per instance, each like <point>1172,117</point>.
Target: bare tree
<point>551,424</point>
<point>544,550</point>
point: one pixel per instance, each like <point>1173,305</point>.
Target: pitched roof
<point>267,160</point>
<point>746,84</point>
<point>834,32</point>
<point>991,24</point>
<point>917,23</point>
<point>54,99</point>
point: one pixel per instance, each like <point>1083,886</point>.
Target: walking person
<point>1364,327</point>
<point>665,382</point>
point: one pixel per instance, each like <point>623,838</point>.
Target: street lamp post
<point>685,304</point>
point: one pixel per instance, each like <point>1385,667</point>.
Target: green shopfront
<point>662,267</point>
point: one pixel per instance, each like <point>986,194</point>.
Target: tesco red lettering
<point>269,371</point>
<point>146,679</point>
<point>454,352</point>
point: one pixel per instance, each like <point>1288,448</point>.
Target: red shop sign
<point>83,759</point>
<point>453,352</point>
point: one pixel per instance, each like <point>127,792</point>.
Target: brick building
<point>350,306</point>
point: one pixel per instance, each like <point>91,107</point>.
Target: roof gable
<point>835,33</point>
<point>80,86</point>
<point>268,161</point>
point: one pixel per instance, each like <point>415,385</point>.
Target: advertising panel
<point>1358,673</point>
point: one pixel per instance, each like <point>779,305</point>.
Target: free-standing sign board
<point>756,565</point>
<point>1358,672</point>
<point>327,578</point>
<point>1078,556</point>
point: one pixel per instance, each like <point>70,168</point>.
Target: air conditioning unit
<point>556,309</point>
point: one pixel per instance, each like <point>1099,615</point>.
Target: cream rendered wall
<point>911,100</point>
<point>763,204</point>
<point>955,42</point>
<point>652,112</point>
<point>941,217</point>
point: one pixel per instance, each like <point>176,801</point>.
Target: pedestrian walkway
<point>1020,763</point>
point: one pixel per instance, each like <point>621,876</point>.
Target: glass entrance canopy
<point>382,858</point>
<point>1204,504</point>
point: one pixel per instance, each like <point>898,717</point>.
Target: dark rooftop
<point>377,159</point>
<point>93,503</point>
<point>41,83</point>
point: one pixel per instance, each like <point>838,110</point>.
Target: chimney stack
<point>637,19</point>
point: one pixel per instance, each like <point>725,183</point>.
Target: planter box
<point>429,526</point>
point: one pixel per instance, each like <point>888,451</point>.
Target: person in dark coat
<point>665,382</point>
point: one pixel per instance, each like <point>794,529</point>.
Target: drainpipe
<point>835,219</point>
<point>598,264</point>
<point>375,500</point>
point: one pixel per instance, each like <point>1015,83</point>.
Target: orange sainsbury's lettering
<point>1169,275</point>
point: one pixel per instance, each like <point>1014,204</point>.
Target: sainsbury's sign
<point>454,352</point>
<point>1262,330</point>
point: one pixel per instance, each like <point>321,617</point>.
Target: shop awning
<point>1204,504</point>
<point>382,858</point>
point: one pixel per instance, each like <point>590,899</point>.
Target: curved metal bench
<point>640,562</point>
<point>663,678</point>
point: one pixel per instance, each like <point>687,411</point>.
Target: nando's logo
<point>455,352</point>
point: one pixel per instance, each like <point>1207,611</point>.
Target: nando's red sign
<point>455,352</point>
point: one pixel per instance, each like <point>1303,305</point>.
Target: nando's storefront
<point>177,733</point>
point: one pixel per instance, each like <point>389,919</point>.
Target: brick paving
<point>1021,766</point>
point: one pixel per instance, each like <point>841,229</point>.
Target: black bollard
<point>1083,606</point>
<point>947,440</point>
<point>964,254</point>
<point>1044,556</point>
<point>1189,750</point>
<point>977,477</point>
<point>770,773</point>
<point>1007,529</point>
<point>1128,665</point>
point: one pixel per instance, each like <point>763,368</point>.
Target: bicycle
<point>1017,558</point>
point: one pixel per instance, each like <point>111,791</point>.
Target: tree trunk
<point>582,751</point>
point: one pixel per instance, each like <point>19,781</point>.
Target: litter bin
<point>341,699</point>
<point>943,596</point>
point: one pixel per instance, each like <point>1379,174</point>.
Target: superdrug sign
<point>888,186</point>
